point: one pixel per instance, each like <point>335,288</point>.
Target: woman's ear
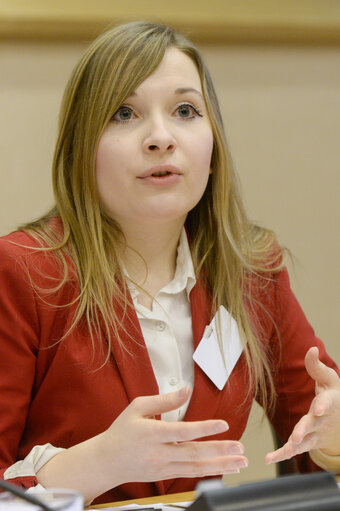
<point>211,171</point>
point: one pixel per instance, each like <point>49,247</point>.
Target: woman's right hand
<point>137,447</point>
<point>150,450</point>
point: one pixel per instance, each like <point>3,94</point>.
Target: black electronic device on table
<point>301,492</point>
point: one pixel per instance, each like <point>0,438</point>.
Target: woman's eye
<point>123,114</point>
<point>188,112</point>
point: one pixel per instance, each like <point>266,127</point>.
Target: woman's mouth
<point>161,175</point>
<point>161,170</point>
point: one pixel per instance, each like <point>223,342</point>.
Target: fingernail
<point>242,464</point>
<point>236,449</point>
<point>221,427</point>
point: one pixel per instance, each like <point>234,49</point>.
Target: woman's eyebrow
<point>179,90</point>
<point>183,90</point>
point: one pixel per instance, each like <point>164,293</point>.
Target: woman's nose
<point>159,138</point>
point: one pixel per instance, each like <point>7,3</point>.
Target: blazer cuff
<point>326,461</point>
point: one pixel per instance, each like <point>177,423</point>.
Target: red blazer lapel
<point>131,357</point>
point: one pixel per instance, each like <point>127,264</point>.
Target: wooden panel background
<point>265,21</point>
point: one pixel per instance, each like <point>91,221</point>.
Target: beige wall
<point>281,107</point>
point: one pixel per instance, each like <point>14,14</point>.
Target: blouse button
<point>173,381</point>
<point>160,326</point>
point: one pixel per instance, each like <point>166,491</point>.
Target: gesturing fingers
<point>306,433</point>
<point>149,406</point>
<point>208,467</point>
<point>167,432</point>
<point>194,451</point>
<point>291,449</point>
<point>302,439</point>
<point>324,376</point>
<point>150,450</point>
<point>193,459</point>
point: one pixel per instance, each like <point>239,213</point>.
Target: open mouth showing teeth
<point>161,174</point>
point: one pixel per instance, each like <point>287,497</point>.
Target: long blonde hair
<point>227,253</point>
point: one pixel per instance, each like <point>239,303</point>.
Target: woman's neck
<point>150,257</point>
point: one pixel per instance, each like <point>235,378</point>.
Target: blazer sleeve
<point>19,342</point>
<point>292,337</point>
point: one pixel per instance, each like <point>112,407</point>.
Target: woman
<point>146,262</point>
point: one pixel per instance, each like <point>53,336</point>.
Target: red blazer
<point>50,391</point>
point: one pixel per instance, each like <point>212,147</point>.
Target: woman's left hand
<point>320,428</point>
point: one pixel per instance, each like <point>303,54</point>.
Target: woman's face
<point>153,158</point>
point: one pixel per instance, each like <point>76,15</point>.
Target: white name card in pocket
<point>208,353</point>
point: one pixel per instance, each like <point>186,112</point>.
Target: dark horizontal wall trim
<point>211,21</point>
